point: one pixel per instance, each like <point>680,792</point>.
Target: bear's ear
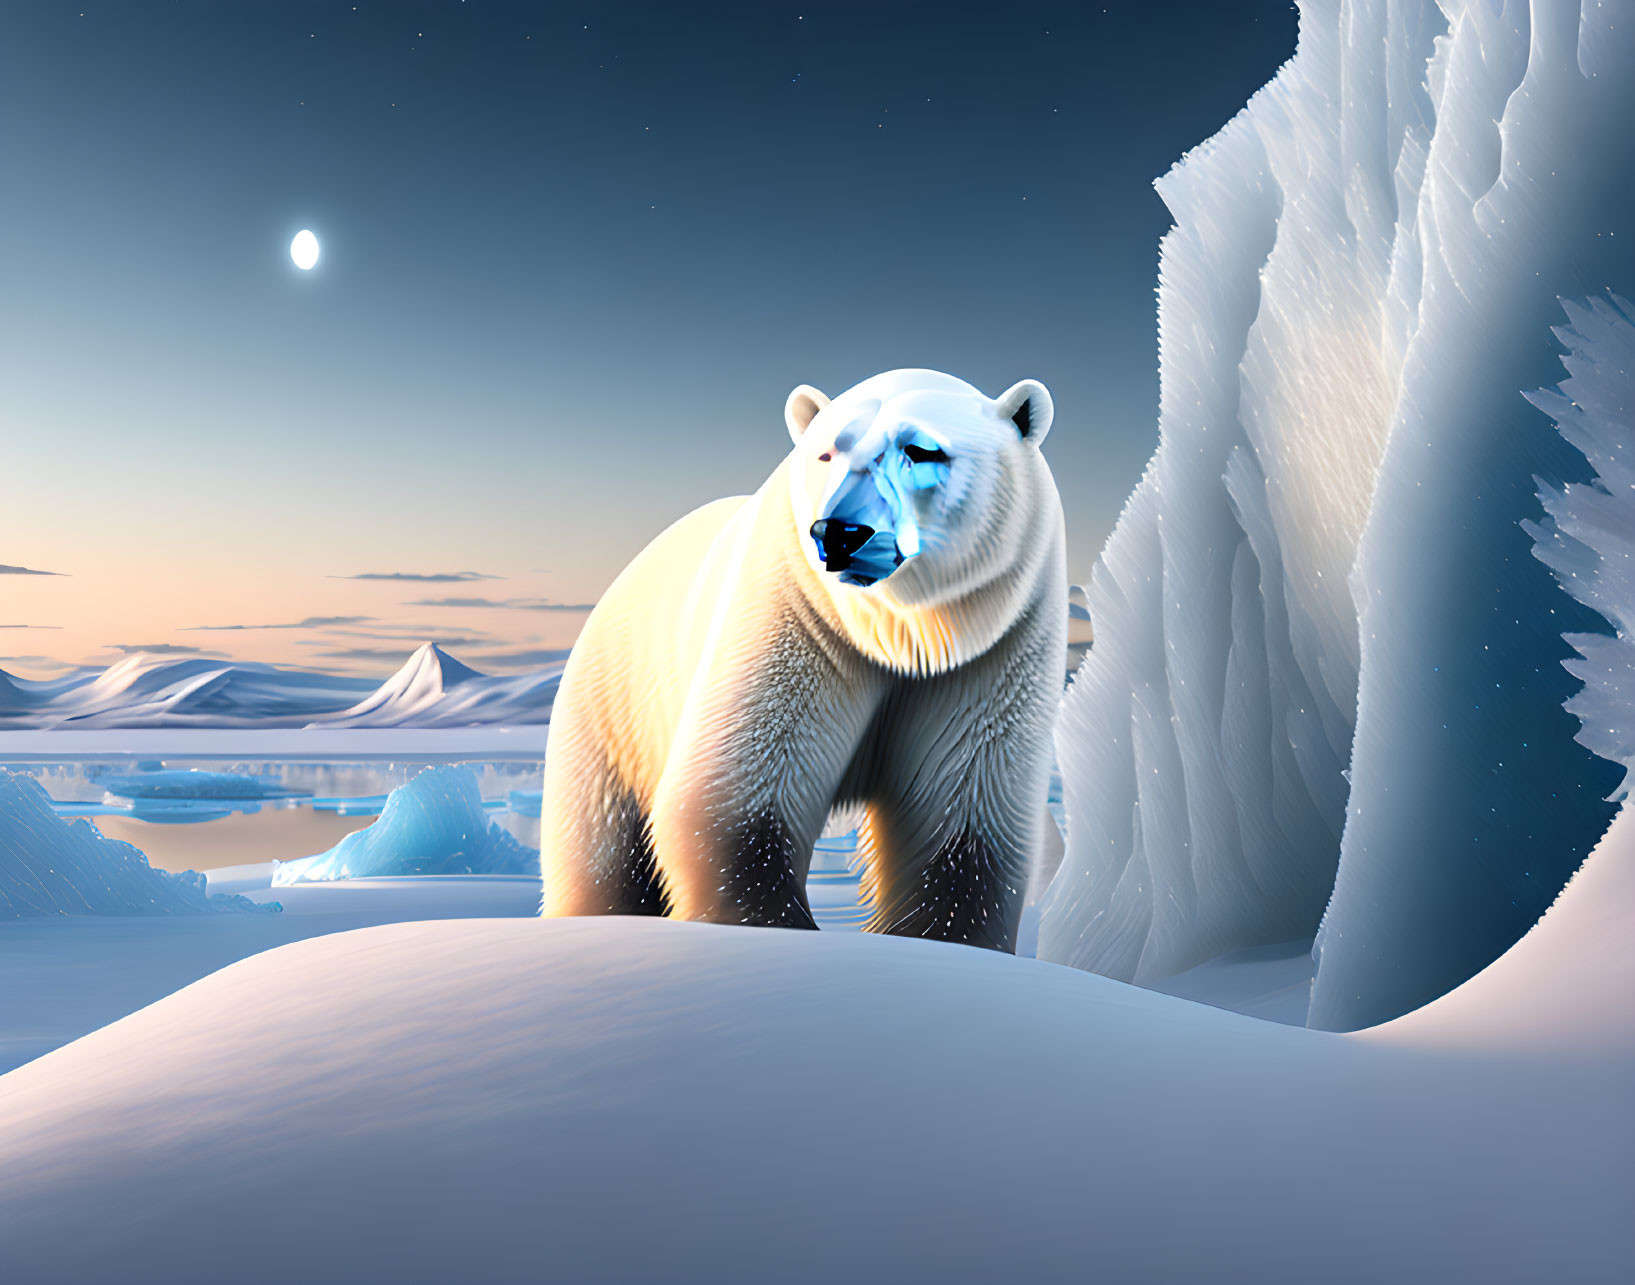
<point>1028,406</point>
<point>801,409</point>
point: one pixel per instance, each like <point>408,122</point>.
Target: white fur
<point>728,692</point>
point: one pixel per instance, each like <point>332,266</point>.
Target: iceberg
<point>434,824</point>
<point>49,866</point>
<point>1326,691</point>
<point>155,781</point>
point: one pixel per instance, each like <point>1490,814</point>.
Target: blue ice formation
<point>1588,536</point>
<point>1326,686</point>
<point>526,803</point>
<point>352,805</point>
<point>434,824</point>
<point>153,781</point>
<point>49,866</point>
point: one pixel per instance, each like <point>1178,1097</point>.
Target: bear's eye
<point>925,454</point>
<point>825,457</point>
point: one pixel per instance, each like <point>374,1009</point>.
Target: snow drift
<point>488,1100</point>
<point>434,824</point>
<point>49,866</point>
<point>1323,567</point>
<point>432,689</point>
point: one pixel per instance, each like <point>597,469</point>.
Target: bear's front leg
<point>768,730</point>
<point>956,804</point>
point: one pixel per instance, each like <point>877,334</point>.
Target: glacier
<point>49,866</point>
<point>431,689</point>
<point>1325,698</point>
<point>434,824</point>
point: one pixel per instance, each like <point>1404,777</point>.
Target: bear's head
<point>914,481</point>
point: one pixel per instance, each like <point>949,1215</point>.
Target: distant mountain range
<point>432,689</point>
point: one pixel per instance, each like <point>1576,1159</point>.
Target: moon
<point>304,249</point>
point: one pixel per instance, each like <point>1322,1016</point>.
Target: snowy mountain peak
<point>430,664</point>
<point>432,689</point>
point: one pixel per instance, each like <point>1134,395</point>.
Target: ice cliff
<point>432,825</point>
<point>49,866</point>
<point>1326,686</point>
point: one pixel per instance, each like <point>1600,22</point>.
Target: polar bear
<point>879,629</point>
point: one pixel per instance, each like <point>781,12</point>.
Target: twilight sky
<point>574,258</point>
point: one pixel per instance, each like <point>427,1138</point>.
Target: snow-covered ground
<point>62,978</point>
<point>630,1100</point>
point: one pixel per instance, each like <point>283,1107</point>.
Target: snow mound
<point>1588,538</point>
<point>1317,615</point>
<point>433,824</point>
<point>49,866</point>
<point>432,689</point>
<point>469,1100</point>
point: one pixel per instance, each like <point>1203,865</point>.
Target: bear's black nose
<point>837,541</point>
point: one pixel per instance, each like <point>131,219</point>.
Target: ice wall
<point>1360,280</point>
<point>1472,804</point>
<point>1204,742</point>
<point>432,825</point>
<point>49,866</point>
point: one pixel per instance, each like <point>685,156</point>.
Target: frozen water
<point>157,782</point>
<point>526,803</point>
<point>1588,539</point>
<point>1323,566</point>
<point>50,866</point>
<point>433,825</point>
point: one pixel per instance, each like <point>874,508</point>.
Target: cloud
<point>311,622</point>
<point>510,604</point>
<point>441,577</point>
<point>407,633</point>
<point>520,659</point>
<point>163,649</point>
<point>30,626</point>
<point>396,655</point>
<point>26,571</point>
<point>40,661</point>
